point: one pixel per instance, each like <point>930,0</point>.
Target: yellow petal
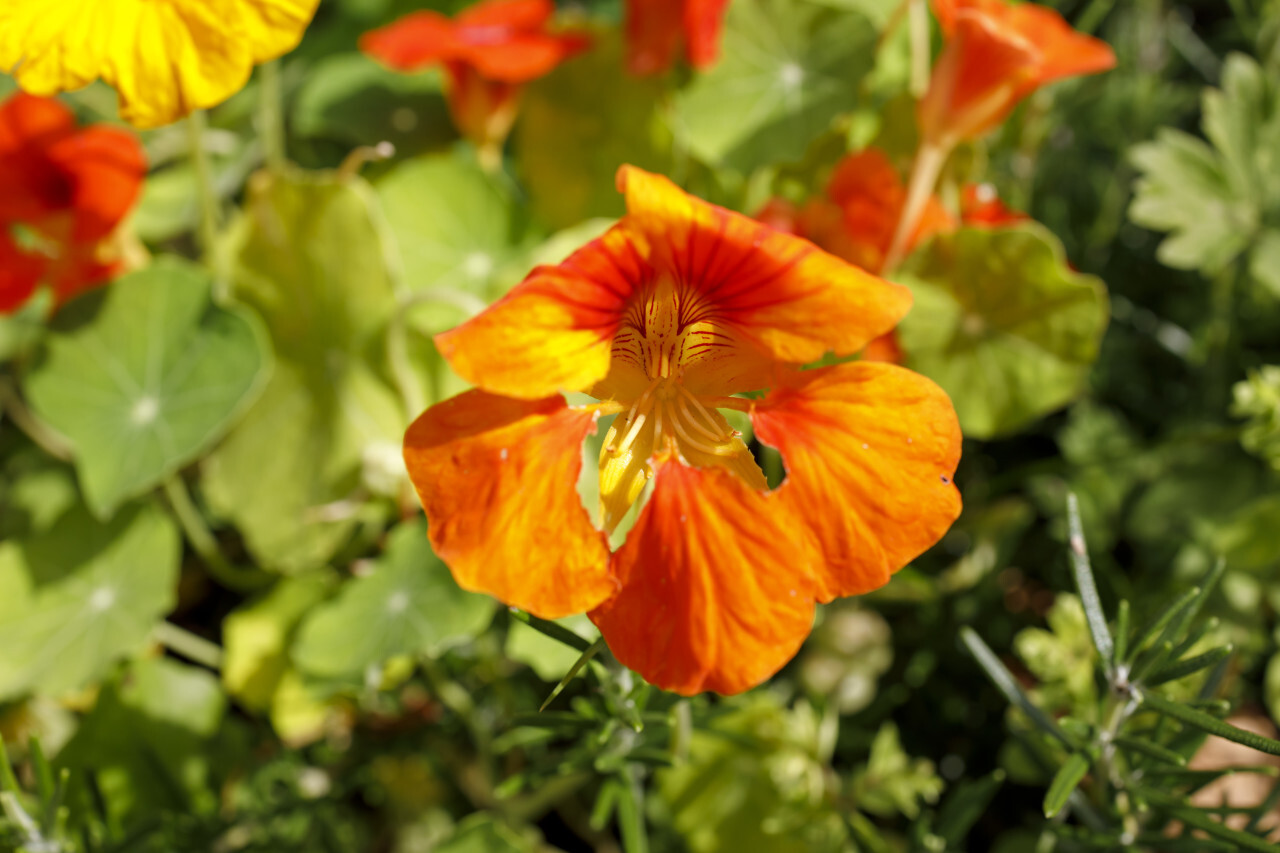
<point>165,58</point>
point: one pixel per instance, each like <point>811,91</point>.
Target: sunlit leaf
<point>1002,324</point>
<point>409,605</point>
<point>788,69</point>
<point>312,261</point>
<point>82,594</point>
<point>578,125</point>
<point>350,99</point>
<point>144,376</point>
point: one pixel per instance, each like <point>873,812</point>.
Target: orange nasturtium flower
<point>856,220</point>
<point>996,53</point>
<point>981,206</point>
<point>489,52</point>
<point>676,309</point>
<point>165,58</point>
<point>65,191</point>
<point>658,29</point>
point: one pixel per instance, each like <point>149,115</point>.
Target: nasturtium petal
<point>716,592</point>
<point>145,376</point>
<point>407,605</point>
<point>554,331</point>
<point>788,68</point>
<point>870,450</point>
<point>81,595</point>
<point>498,480</point>
<point>1003,324</point>
<point>311,260</point>
<point>792,299</point>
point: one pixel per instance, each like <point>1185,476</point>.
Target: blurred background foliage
<point>238,639</point>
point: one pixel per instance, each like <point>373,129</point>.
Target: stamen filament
<point>689,441</point>
<point>714,433</point>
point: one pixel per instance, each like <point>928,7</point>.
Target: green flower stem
<point>924,177</point>
<point>205,545</point>
<point>271,115</point>
<point>210,215</point>
<point>41,436</point>
<point>187,644</point>
<point>918,23</point>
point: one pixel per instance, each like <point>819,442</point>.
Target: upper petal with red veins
<point>792,299</point>
<point>498,479</point>
<point>870,450</point>
<point>554,331</point>
<point>716,592</point>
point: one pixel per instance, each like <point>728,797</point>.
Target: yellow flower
<point>165,58</point>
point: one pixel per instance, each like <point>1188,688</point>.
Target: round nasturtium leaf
<point>1003,324</point>
<point>409,605</point>
<point>312,260</point>
<point>458,234</point>
<point>787,69</point>
<point>144,376</point>
<point>81,595</point>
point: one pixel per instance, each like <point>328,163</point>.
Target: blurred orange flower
<point>488,52</point>
<point>165,58</point>
<point>980,205</point>
<point>997,53</point>
<point>65,192</point>
<point>658,29</point>
<point>677,308</point>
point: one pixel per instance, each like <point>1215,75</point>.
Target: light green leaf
<point>549,658</point>
<point>458,234</point>
<point>1214,198</point>
<point>351,100</point>
<point>409,605</point>
<point>1064,783</point>
<point>312,261</point>
<point>788,68</point>
<point>1002,324</point>
<point>151,743</point>
<point>480,833</point>
<point>578,125</point>
<point>145,376</point>
<point>81,595</point>
<point>256,637</point>
<point>894,782</point>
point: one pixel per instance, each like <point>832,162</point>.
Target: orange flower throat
<point>669,341</point>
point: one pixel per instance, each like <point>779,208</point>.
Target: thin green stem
<point>924,177</point>
<point>41,436</point>
<point>918,24</point>
<point>192,647</point>
<point>271,115</point>
<point>210,216</point>
<point>202,541</point>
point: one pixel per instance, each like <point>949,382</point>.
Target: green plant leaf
<point>312,261</point>
<point>351,100</point>
<point>1064,783</point>
<point>1217,200</point>
<point>409,605</point>
<point>81,595</point>
<point>578,125</point>
<point>143,377</point>
<point>481,833</point>
<point>788,68</point>
<point>549,657</point>
<point>458,234</point>
<point>1002,324</point>
<point>257,636</point>
<point>150,741</point>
